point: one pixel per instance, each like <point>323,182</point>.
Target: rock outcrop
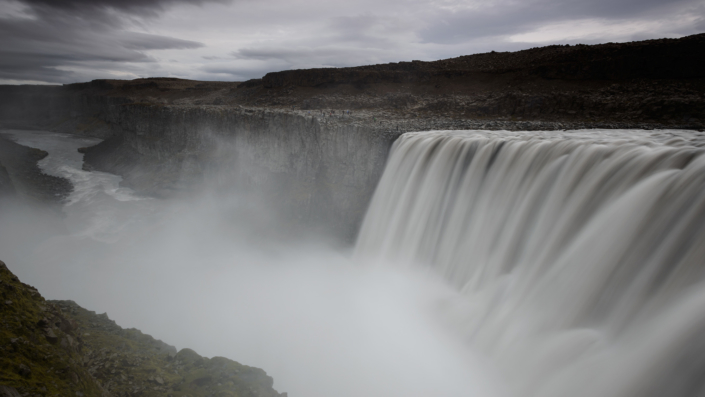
<point>650,59</point>
<point>50,348</point>
<point>40,348</point>
<point>324,173</point>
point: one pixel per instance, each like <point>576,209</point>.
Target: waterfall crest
<point>580,254</point>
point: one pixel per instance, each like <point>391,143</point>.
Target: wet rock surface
<point>50,348</point>
<point>661,58</point>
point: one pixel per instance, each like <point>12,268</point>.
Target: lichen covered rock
<point>50,348</point>
<point>40,350</point>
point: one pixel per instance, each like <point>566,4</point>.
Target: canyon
<point>322,136</point>
<point>493,170</point>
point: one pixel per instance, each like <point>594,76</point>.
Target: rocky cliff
<point>650,59</point>
<point>657,81</point>
<point>55,108</point>
<point>323,173</point>
<point>315,141</point>
<point>50,348</point>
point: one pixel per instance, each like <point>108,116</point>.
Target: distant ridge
<point>653,59</point>
<point>642,84</point>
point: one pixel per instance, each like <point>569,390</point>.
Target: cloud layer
<point>65,41</point>
<point>61,41</point>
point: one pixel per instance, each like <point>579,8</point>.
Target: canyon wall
<point>22,106</point>
<point>56,108</point>
<point>650,59</point>
<point>318,174</point>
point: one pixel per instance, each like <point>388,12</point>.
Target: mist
<point>490,263</point>
<point>225,273</point>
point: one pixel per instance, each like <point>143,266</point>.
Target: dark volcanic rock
<point>651,59</point>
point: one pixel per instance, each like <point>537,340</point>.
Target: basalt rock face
<point>50,348</point>
<point>321,174</point>
<point>33,106</point>
<point>55,108</point>
<point>324,173</point>
<point>656,81</point>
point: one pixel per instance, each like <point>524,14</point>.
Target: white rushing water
<point>508,264</point>
<point>580,255</point>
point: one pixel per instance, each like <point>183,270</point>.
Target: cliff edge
<point>57,348</point>
<point>317,140</point>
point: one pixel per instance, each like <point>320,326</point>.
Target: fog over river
<point>500,264</point>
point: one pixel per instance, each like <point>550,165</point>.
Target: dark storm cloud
<point>141,7</point>
<point>503,18</point>
<point>61,35</point>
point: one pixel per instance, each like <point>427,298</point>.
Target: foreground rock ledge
<point>57,348</point>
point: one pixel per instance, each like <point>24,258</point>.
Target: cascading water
<point>580,255</point>
<point>575,257</point>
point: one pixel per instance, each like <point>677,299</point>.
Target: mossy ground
<point>39,350</point>
<point>57,348</point>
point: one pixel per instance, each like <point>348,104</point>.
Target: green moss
<point>39,354</point>
<point>68,349</point>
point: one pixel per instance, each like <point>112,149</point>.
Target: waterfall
<point>579,256</point>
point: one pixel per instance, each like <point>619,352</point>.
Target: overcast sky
<point>65,41</point>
